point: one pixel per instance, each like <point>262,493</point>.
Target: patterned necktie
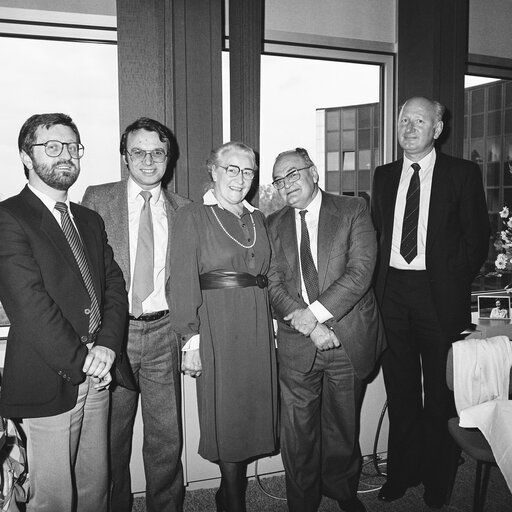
<point>409,243</point>
<point>78,252</point>
<point>309,272</point>
<point>144,260</point>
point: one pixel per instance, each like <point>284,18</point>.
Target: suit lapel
<point>170,210</point>
<point>287,233</point>
<point>52,230</point>
<point>328,224</point>
<point>436,210</point>
<point>119,237</point>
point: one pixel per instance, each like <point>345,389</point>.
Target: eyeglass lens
<point>138,155</point>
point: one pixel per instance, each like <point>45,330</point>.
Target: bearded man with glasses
<point>64,296</point>
<point>139,213</point>
<point>329,332</point>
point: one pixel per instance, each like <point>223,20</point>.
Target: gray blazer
<point>347,251</point>
<point>110,200</point>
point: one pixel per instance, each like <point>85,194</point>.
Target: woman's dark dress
<point>237,390</point>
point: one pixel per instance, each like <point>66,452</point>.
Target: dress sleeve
<point>184,275</point>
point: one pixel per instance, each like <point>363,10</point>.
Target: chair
<point>474,444</point>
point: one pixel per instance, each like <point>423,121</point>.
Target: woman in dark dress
<point>220,258</point>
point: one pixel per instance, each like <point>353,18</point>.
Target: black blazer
<point>457,234</point>
<point>47,304</point>
<point>347,250</point>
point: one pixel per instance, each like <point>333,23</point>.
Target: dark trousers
<point>154,356</point>
<point>419,401</point>
<point>320,431</point>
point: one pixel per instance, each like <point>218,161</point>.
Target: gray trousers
<point>154,356</point>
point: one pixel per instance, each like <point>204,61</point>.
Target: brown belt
<point>217,279</point>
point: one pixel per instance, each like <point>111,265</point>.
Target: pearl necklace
<point>234,239</point>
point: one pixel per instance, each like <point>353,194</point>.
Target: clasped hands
<point>306,323</point>
<point>97,365</point>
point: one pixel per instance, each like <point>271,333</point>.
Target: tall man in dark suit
<point>65,298</point>
<point>328,332</point>
<point>139,214</point>
<point>431,218</point>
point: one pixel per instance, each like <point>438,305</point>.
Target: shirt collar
<point>134,190</point>
<point>426,162</point>
<point>209,199</point>
<point>313,208</point>
<point>47,200</point>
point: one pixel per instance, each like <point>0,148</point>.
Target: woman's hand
<point>191,363</point>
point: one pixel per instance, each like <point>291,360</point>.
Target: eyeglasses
<point>54,148</point>
<point>292,176</point>
<point>138,155</point>
<point>233,170</point>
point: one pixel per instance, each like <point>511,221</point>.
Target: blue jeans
<point>153,353</point>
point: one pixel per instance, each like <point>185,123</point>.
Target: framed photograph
<point>494,307</point>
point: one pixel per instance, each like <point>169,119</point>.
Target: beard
<point>57,178</point>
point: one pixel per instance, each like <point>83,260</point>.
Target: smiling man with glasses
<point>329,333</point>
<point>139,213</point>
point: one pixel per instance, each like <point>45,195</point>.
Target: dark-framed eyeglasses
<point>290,177</point>
<point>54,148</point>
<point>138,155</point>
<point>233,170</point>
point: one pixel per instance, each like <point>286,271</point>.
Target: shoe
<point>219,502</point>
<point>352,505</point>
<point>391,492</point>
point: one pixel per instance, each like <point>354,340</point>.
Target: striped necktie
<point>309,272</point>
<point>77,248</point>
<point>409,243</point>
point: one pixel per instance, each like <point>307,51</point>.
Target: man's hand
<point>191,363</point>
<point>302,320</point>
<point>324,338</point>
<point>103,383</point>
<point>98,362</point>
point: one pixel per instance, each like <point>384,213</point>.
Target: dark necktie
<point>409,243</point>
<point>309,272</point>
<point>144,260</point>
<point>78,252</point>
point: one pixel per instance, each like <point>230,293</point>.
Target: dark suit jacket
<point>110,200</point>
<point>457,234</point>
<point>347,250</point>
<point>46,300</point>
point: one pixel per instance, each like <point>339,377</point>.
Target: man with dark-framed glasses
<point>65,299</point>
<point>138,213</point>
<point>329,334</point>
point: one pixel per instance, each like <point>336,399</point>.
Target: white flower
<point>504,212</point>
<point>501,261</point>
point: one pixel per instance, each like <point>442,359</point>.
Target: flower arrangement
<point>503,242</point>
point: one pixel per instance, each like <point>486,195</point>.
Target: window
<point>61,69</point>
<point>330,106</point>
<point>488,142</point>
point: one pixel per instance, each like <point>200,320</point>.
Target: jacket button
<point>84,339</point>
<point>87,311</point>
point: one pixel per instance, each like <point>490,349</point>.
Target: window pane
<point>365,159</point>
<point>349,181</point>
<point>87,92</point>
<point>314,103</point>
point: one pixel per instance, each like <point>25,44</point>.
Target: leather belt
<point>229,279</point>
<point>150,317</point>
<point>90,338</point>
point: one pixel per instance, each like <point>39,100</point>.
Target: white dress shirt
<point>312,217</point>
<point>156,300</point>
<point>427,168</point>
<point>50,204</point>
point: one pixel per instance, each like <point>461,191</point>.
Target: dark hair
<point>27,135</point>
<point>150,125</point>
